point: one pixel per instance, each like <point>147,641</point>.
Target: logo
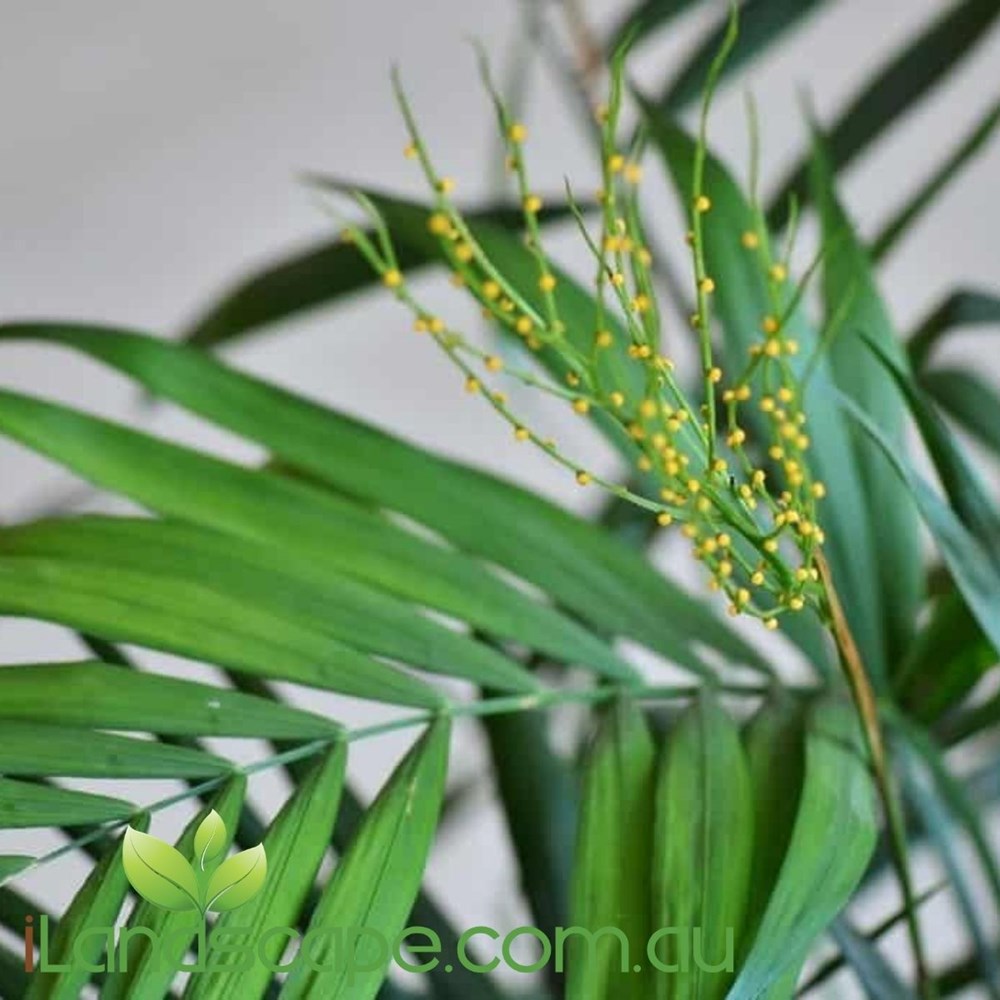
<point>165,878</point>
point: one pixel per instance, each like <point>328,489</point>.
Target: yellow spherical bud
<point>439,224</point>
<point>410,151</point>
<point>714,375</point>
<point>769,324</point>
<point>706,285</point>
<point>633,173</point>
<point>750,240</point>
<point>493,363</point>
<point>524,326</point>
<point>517,133</point>
<point>392,278</point>
<point>581,406</point>
<point>604,338</point>
<point>472,384</point>
<point>521,433</point>
<point>663,519</point>
<point>532,204</point>
<point>435,324</point>
<point>491,290</point>
<point>547,282</point>
<point>702,203</point>
<point>771,624</point>
<point>617,398</point>
<point>446,185</point>
<point>778,272</point>
<point>818,490</point>
<point>616,163</point>
<point>582,478</point>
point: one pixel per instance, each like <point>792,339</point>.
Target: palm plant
<point>739,804</point>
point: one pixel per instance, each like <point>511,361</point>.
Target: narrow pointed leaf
<point>970,400</point>
<point>579,566</point>
<point>150,971</point>
<point>762,24</point>
<point>644,19</point>
<point>171,614</point>
<point>39,748</point>
<point>928,192</point>
<point>702,852</point>
<point>109,697</point>
<point>84,933</point>
<point>350,612</point>
<point>24,804</point>
<point>316,276</point>
<point>11,864</point>
<point>377,881</point>
<point>831,844</point>
<point>965,307</point>
<point>847,276</point>
<point>892,90</point>
<point>310,526</point>
<point>877,978</point>
<point>611,882</point>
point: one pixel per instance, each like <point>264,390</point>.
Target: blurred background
<point>151,156</point>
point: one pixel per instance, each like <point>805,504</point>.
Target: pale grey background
<point>149,155</point>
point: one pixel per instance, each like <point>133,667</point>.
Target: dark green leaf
<point>644,19</point>
<point>876,976</point>
<point>969,400</point>
<point>893,90</point>
<point>847,276</point>
<point>966,307</point>
<point>307,279</point>
<point>928,192</point>
<point>11,864</point>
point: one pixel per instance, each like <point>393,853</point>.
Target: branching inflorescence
<point>748,506</point>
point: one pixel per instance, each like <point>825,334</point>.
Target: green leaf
<point>11,864</point>
<point>969,400</point>
<point>974,572</point>
<point>584,570</point>
<point>965,490</point>
<point>891,91</point>
<point>237,880</point>
<point>24,804</point>
<point>928,192</point>
<point>702,851</point>
<point>539,796</point>
<point>160,873</point>
<point>741,292</point>
<point>210,839</point>
<point>316,276</point>
<point>847,276</point>
<point>377,881</point>
<point>168,613</point>
<point>936,819</point>
<point>611,884</point>
<point>762,23</point>
<point>945,662</point>
<point>85,931</point>
<point>351,613</point>
<point>309,526</point>
<point>832,841</point>
<point>110,697</point>
<point>13,979</point>
<point>39,748</point>
<point>149,971</point>
<point>876,976</point>
<point>643,21</point>
<point>965,307</point>
<point>775,749</point>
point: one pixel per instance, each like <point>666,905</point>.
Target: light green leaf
<point>832,841</point>
<point>237,880</point>
<point>39,748</point>
<point>24,804</point>
<point>85,931</point>
<point>351,613</point>
<point>311,527</point>
<point>210,839</point>
<point>611,884</point>
<point>702,851</point>
<point>848,277</point>
<point>895,88</point>
<point>159,872</point>
<point>296,843</point>
<point>110,697</point>
<point>584,570</point>
<point>149,971</point>
<point>377,881</point>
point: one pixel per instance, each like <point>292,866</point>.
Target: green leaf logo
<point>165,878</point>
